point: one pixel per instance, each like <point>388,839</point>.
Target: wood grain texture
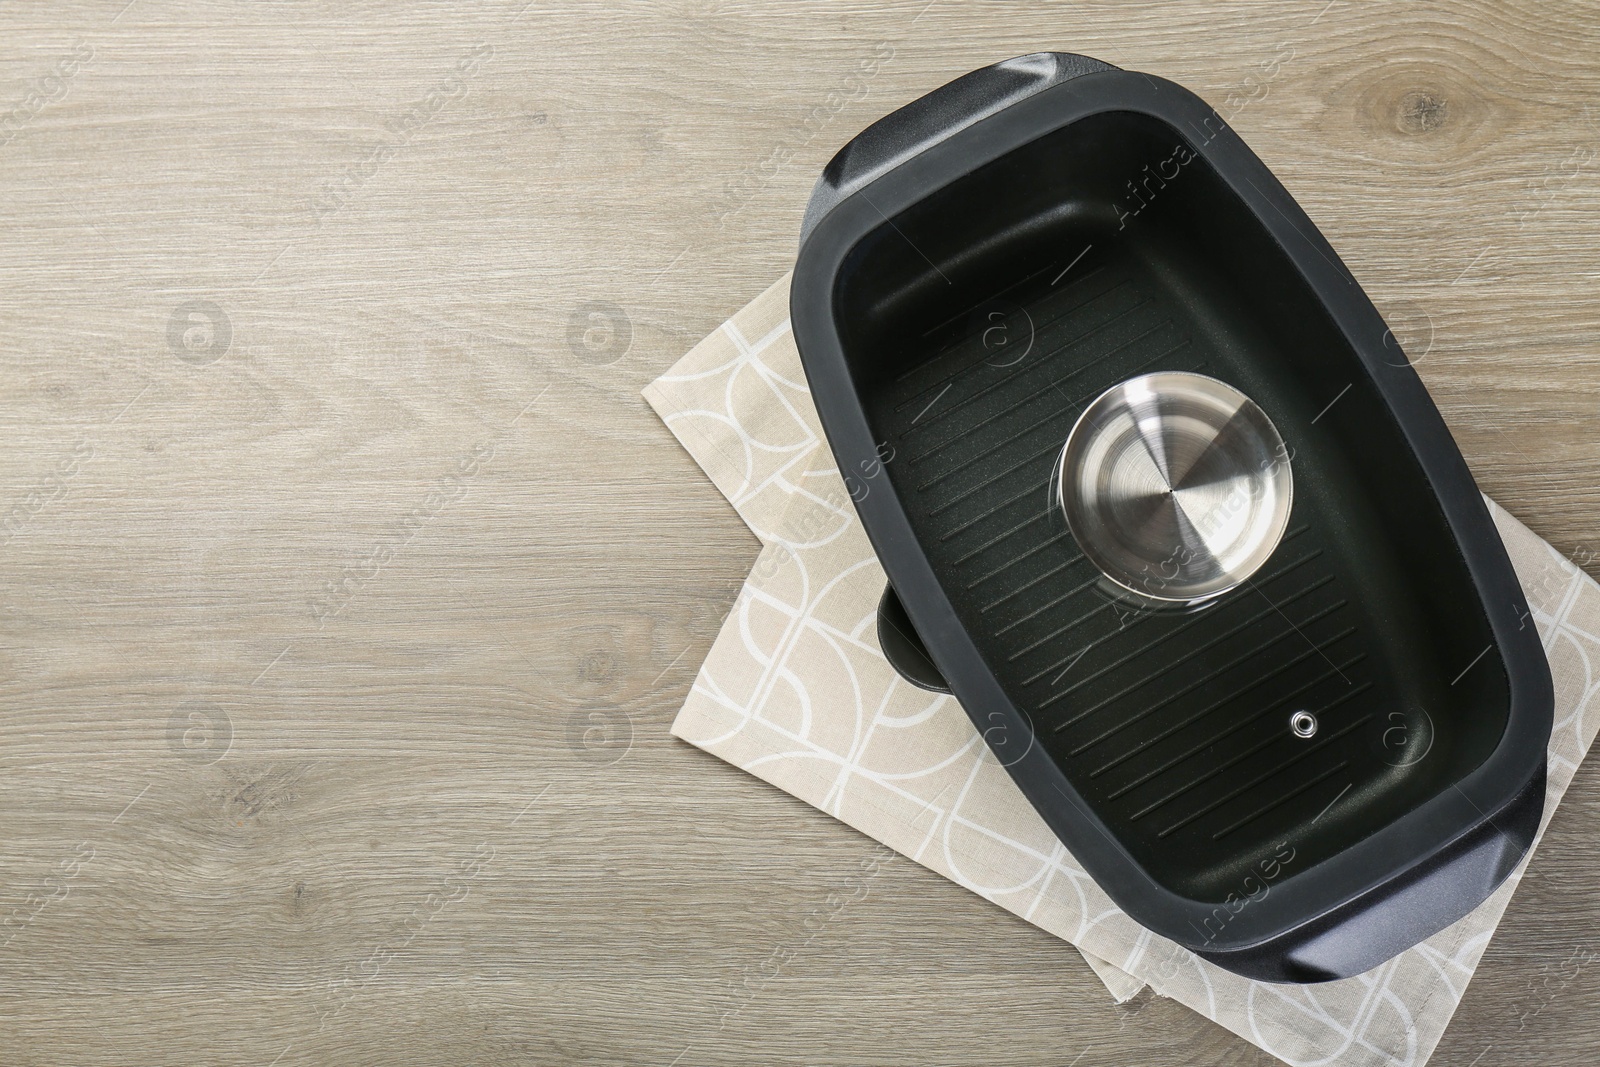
<point>336,670</point>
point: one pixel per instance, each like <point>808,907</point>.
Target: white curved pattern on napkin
<point>796,692</point>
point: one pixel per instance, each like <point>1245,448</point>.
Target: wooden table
<point>349,587</point>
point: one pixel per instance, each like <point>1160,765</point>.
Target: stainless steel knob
<point>1177,486</point>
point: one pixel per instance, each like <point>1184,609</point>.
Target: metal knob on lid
<point>1176,485</point>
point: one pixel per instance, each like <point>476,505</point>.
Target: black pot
<point>974,270</point>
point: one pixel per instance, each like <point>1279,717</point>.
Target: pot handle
<point>929,119</point>
<point>903,646</point>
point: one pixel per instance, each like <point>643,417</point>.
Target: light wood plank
<point>185,519</point>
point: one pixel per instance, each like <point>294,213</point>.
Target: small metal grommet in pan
<point>1303,723</point>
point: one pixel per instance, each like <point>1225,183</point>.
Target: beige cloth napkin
<point>796,692</point>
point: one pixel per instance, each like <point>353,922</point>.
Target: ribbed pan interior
<point>978,322</point>
<point>1174,724</point>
